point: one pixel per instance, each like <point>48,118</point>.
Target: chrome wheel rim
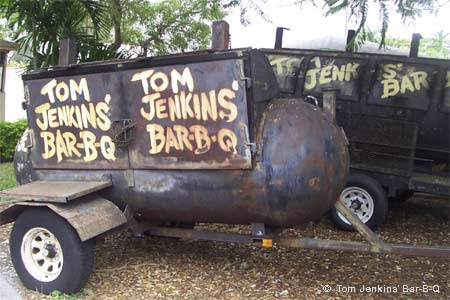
<point>42,254</point>
<point>359,201</point>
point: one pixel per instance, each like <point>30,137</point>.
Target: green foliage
<point>38,27</point>
<point>100,27</point>
<point>10,134</point>
<point>157,28</point>
<point>57,295</point>
<point>7,177</point>
<point>437,46</point>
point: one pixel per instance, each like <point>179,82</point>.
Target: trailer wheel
<point>366,198</point>
<point>47,253</point>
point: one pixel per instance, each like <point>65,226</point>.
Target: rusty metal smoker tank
<point>198,137</point>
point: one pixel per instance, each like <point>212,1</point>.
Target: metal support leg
<point>362,228</point>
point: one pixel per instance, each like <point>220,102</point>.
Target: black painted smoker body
<point>198,137</point>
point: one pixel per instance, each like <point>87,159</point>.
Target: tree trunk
<point>117,21</point>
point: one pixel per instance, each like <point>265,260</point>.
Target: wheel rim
<point>359,201</point>
<point>42,254</point>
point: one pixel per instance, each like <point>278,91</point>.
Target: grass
<point>57,295</point>
<point>7,177</point>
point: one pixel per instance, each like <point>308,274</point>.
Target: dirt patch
<point>162,268</point>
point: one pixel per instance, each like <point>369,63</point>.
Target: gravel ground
<point>162,268</point>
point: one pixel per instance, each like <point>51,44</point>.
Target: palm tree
<point>40,25</point>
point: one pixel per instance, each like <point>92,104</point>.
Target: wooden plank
<point>54,191</point>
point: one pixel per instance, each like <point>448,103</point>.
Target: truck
<point>395,112</point>
<point>155,145</point>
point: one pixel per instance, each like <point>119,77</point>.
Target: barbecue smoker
<point>158,144</point>
<point>395,112</point>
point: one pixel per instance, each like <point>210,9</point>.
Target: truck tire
<point>47,253</point>
<point>364,196</point>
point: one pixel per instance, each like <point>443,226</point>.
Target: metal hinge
<point>253,147</point>
<point>123,132</point>
<point>248,81</point>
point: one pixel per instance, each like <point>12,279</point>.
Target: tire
<point>368,199</point>
<point>67,260</point>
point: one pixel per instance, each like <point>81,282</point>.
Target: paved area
<point>7,291</point>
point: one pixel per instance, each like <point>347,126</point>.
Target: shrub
<point>10,133</point>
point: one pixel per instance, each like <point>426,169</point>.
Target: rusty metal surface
<point>71,121</point>
<point>9,213</point>
<point>287,163</point>
<point>187,116</point>
<point>190,116</point>
<point>375,246</point>
<point>54,191</point>
<point>199,235</point>
<point>350,246</point>
<point>89,216</point>
<point>302,169</point>
<point>395,110</point>
<point>362,228</point>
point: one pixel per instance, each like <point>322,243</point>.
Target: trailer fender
<point>90,216</point>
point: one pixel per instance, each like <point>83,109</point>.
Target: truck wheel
<point>47,253</point>
<point>366,198</point>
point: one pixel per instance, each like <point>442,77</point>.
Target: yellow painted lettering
<point>197,110</point>
<point>52,116</point>
<point>49,144</point>
<point>390,88</point>
<point>143,77</point>
<point>88,115</point>
<point>406,84</point>
<point>42,110</point>
<point>184,79</point>
<point>174,107</point>
<point>171,140</point>
<point>150,99</point>
<point>183,137</point>
<point>389,71</point>
<point>186,110</point>
<point>338,73</point>
<point>62,91</point>
<point>157,138</point>
<point>60,146</point>
<point>107,147</point>
<point>103,121</point>
<point>230,110</point>
<point>48,89</point>
<point>325,74</point>
<point>209,106</point>
<point>71,142</point>
<point>201,137</point>
<point>162,79</point>
<point>227,140</point>
<point>420,79</point>
<point>160,108</point>
<point>90,152</point>
<point>81,89</point>
<point>62,116</point>
<point>351,71</point>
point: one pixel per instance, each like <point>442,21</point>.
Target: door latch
<point>123,132</point>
